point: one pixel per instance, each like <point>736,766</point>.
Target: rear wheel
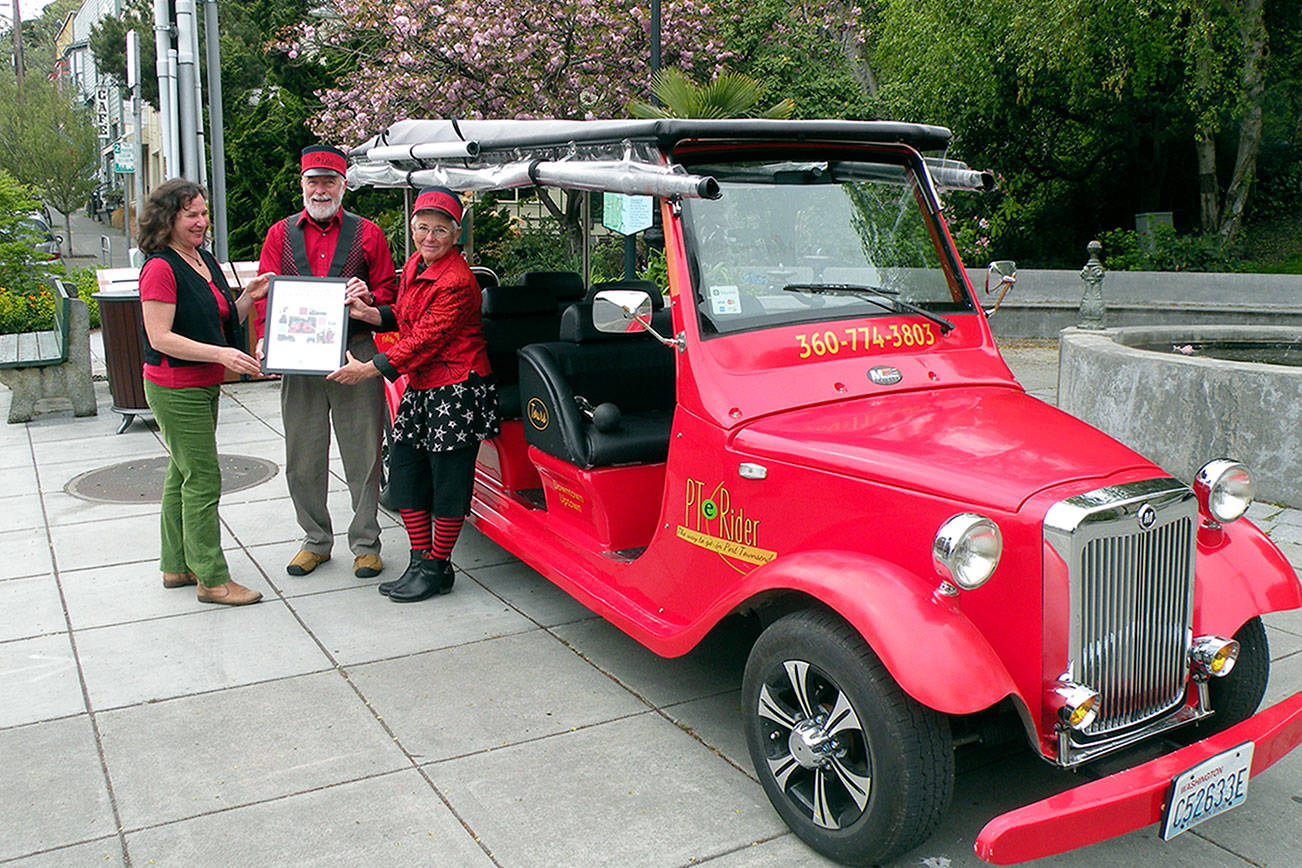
<point>857,769</point>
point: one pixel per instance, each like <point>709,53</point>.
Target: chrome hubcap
<point>810,744</point>
<point>817,750</point>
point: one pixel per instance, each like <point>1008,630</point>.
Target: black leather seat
<point>565,286</point>
<point>632,371</point>
<point>647,286</point>
<point>514,316</point>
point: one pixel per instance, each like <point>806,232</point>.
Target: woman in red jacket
<point>451,400</point>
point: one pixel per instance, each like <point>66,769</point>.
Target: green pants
<point>191,533</point>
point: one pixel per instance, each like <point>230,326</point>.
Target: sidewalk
<point>86,247</point>
<point>500,725</point>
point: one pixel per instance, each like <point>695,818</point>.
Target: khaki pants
<point>310,406</point>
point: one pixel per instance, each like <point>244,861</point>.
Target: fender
<point>929,646</point>
<point>1241,574</point>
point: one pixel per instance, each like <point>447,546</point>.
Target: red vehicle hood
<point>986,445</point>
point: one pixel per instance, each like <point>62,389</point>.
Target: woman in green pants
<point>192,337</point>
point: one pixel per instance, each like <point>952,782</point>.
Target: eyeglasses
<point>436,231</point>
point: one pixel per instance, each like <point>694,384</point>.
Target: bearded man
<point>324,240</point>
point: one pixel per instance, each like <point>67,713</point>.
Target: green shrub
<point>26,312</point>
<point>1167,251</point>
<point>84,280</point>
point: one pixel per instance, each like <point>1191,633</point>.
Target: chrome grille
<point>1131,589</point>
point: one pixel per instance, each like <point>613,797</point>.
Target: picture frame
<point>306,325</point>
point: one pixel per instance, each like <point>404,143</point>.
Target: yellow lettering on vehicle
<point>727,548</point>
<point>712,522</point>
<point>864,339</point>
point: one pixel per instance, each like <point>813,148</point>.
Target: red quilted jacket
<point>440,336</point>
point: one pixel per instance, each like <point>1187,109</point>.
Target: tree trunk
<point>1252,83</point>
<point>854,55</point>
<point>1209,189</point>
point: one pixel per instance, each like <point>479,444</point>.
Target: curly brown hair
<point>154,229</point>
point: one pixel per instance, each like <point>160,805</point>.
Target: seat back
<point>564,286</point>
<point>647,286</point>
<point>514,316</point>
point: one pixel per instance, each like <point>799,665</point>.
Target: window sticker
<point>725,300</point>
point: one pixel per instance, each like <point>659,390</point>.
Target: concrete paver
<point>198,754</point>
<point>54,788</point>
<point>652,796</point>
<point>504,724</point>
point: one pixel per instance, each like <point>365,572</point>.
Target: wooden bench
<point>51,364</point>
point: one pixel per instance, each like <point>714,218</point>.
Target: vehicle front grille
<point>1129,551</point>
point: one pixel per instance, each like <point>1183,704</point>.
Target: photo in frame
<point>307,320</point>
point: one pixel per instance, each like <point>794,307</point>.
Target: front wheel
<point>1236,696</point>
<point>857,769</point>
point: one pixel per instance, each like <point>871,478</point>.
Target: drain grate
<point>141,480</point>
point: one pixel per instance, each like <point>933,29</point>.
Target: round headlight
<point>967,549</point>
<point>1224,490</point>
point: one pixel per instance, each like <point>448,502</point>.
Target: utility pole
<point>218,131</point>
<point>165,67</point>
<point>137,144</point>
<point>187,110</point>
<point>18,49</point>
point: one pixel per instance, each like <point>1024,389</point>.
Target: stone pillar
<point>1091,303</point>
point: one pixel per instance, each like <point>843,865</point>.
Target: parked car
<point>47,245</point>
<point>816,431</point>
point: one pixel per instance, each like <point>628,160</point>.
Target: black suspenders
<point>298,247</point>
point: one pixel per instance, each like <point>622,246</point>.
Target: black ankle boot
<point>434,576</point>
<point>412,568</point>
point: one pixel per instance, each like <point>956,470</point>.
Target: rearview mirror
<point>1004,272</point>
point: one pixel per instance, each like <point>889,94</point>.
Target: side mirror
<point>621,311</point>
<point>627,311</point>
<point>58,239</point>
<point>1004,272</point>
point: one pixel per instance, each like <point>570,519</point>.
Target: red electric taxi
<point>811,425</point>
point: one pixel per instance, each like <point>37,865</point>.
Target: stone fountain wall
<point>1183,411</point>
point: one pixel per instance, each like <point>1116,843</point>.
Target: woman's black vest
<point>196,315</point>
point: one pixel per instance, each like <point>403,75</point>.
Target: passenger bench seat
<point>633,371</point>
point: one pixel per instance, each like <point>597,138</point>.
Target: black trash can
<point>121,327</point>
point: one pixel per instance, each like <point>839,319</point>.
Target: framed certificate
<point>307,319</point>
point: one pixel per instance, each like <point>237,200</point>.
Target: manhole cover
<point>141,481</point>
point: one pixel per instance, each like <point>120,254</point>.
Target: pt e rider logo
<point>711,521</point>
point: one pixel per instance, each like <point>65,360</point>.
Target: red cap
<point>438,199</point>
<point>323,160</point>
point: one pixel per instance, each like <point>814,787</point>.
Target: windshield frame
<point>696,154</point>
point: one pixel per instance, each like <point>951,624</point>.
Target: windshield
<point>808,242</point>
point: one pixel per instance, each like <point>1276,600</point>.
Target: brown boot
<point>228,594</point>
<point>179,580</point>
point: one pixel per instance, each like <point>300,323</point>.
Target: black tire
<point>857,769</point>
<point>1236,696</point>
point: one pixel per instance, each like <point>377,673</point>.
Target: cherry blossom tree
<point>496,58</point>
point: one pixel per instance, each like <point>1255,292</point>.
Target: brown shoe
<point>228,594</point>
<point>367,566</point>
<point>305,562</point>
<point>179,580</point>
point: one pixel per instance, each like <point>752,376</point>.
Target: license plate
<point>1212,787</point>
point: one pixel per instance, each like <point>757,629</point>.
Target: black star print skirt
<point>448,417</point>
